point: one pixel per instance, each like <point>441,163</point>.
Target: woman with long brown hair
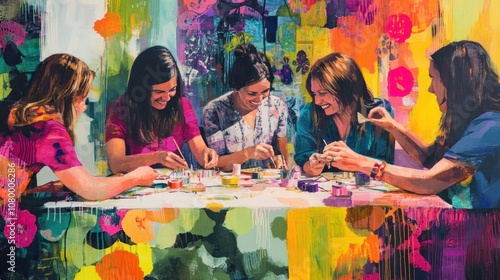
<point>464,161</point>
<point>339,94</point>
<point>39,131</point>
<point>151,121</point>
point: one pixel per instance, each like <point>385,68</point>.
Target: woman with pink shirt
<point>38,131</point>
<point>151,119</point>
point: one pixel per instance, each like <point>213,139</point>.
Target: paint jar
<point>312,187</point>
<point>339,191</point>
<point>303,184</point>
<point>284,178</point>
<point>175,184</point>
<point>361,179</point>
<point>185,181</point>
<point>257,175</point>
<point>230,181</point>
<point>236,169</point>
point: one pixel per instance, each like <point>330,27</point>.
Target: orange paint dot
<point>109,25</point>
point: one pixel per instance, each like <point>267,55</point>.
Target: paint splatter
<point>400,82</point>
<point>119,265</point>
<point>399,27</point>
<point>109,25</point>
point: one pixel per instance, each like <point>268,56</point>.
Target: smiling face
<point>323,98</point>
<point>437,88</point>
<point>161,93</point>
<point>250,97</point>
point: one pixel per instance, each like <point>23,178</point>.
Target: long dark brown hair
<point>155,65</point>
<point>471,85</point>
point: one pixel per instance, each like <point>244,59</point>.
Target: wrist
<point>378,170</point>
<point>246,154</point>
<point>396,127</point>
<point>156,158</point>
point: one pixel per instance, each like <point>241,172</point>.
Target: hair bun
<point>244,50</point>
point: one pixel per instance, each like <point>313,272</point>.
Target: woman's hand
<point>210,158</point>
<point>170,160</point>
<point>144,175</point>
<point>380,117</point>
<point>342,157</point>
<point>317,161</point>
<point>261,151</point>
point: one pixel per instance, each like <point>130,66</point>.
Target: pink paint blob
<point>400,82</point>
<point>398,27</point>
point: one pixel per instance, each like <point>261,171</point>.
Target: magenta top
<point>116,128</point>
<point>42,141</point>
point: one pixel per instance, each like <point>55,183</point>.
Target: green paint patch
<point>278,228</point>
<point>239,220</point>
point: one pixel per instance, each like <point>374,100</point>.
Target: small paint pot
<point>185,181</point>
<point>302,184</point>
<point>175,184</point>
<point>230,181</point>
<point>236,169</point>
<point>312,187</point>
<point>339,191</point>
<point>257,175</point>
<point>361,179</point>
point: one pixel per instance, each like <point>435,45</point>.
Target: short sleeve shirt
<point>47,144</point>
<point>479,146</point>
<point>117,128</point>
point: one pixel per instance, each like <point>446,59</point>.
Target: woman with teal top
<point>339,94</point>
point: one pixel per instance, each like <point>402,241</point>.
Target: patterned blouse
<point>227,132</point>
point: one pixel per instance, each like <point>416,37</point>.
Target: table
<point>258,232</point>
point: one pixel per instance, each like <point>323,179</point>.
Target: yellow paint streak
<point>216,207</point>
<point>87,273</point>
<point>425,115</point>
<point>319,238</point>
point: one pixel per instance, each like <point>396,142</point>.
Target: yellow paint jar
<point>230,181</point>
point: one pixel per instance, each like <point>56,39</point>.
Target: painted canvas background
<point>389,39</point>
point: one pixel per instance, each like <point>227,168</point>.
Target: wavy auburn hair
<point>57,83</point>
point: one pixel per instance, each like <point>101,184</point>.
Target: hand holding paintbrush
<point>170,159</point>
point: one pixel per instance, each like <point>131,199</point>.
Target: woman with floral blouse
<point>248,125</point>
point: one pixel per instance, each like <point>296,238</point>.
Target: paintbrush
<point>326,144</point>
<point>179,150</point>
<point>274,163</point>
